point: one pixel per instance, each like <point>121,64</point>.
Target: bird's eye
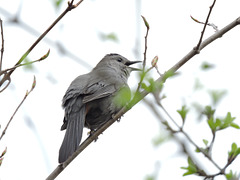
<point>119,59</point>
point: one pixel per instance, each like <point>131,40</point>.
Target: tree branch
<point>60,47</point>
<point>125,109</point>
<point>205,25</point>
<point>24,64</point>
<point>24,98</point>
<point>2,49</point>
<point>69,8</point>
<point>190,140</point>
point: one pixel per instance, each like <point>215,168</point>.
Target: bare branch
<point>145,50</point>
<point>205,25</point>
<point>24,98</point>
<point>135,100</point>
<point>79,2</point>
<point>145,55</point>
<point>2,49</point>
<point>206,42</point>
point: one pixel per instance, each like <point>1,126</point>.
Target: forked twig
<point>205,25</point>
<point>24,98</point>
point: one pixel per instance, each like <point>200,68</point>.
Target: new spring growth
<point>154,64</point>
<point>154,61</point>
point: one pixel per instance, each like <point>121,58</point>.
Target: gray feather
<point>74,121</point>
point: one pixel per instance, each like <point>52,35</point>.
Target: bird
<point>93,98</point>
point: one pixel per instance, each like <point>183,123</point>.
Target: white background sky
<point>125,150</point>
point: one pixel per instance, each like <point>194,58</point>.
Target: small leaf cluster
<point>235,151</point>
<point>153,86</point>
<point>183,113</point>
<point>217,124</point>
<point>192,169</point>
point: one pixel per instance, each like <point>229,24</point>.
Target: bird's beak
<point>128,63</point>
<point>133,62</point>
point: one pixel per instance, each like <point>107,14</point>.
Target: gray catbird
<point>89,100</point>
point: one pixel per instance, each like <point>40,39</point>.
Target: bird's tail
<point>73,135</point>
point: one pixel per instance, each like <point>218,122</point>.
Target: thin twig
<point>180,141</point>
<point>205,25</point>
<point>211,143</point>
<point>63,50</point>
<point>145,56</point>
<point>144,93</point>
<point>145,49</point>
<point>2,49</point>
<point>69,8</point>
<point>24,98</point>
<point>189,139</point>
<point>209,24</point>
<point>24,64</point>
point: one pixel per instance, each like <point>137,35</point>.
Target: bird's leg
<point>118,120</point>
<point>91,132</point>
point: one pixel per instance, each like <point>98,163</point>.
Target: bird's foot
<point>91,132</point>
<point>118,120</point>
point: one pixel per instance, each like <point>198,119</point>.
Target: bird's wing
<point>97,91</point>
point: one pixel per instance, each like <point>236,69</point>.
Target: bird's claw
<point>91,132</point>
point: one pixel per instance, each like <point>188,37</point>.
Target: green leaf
<point>231,176</point>
<point>235,151</point>
<point>227,121</point>
<point>29,65</point>
<point>209,112</point>
<point>168,74</point>
<point>211,124</point>
<point>1,160</point>
<point>223,123</point>
<point>218,123</point>
<point>235,126</point>
<point>162,137</point>
<point>110,36</point>
<point>183,112</point>
<point>154,86</point>
<point>145,22</point>
<point>191,169</point>
<point>205,142</point>
<point>150,177</point>
<point>145,87</point>
<point>122,97</point>
<point>206,66</point>
<point>198,85</point>
<point>217,95</point>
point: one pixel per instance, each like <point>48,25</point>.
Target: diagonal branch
<point>24,98</point>
<point>185,59</point>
